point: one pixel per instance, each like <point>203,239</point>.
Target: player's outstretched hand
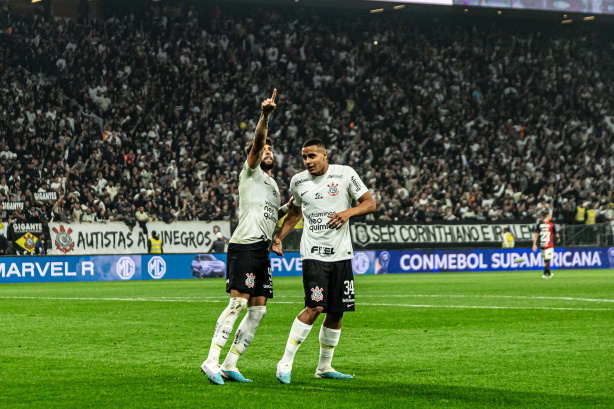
<point>268,105</point>
<point>534,248</point>
<point>277,247</point>
<point>337,220</point>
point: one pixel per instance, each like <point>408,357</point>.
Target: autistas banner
<point>118,238</point>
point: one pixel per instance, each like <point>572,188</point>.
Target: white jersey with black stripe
<point>320,197</point>
<point>258,204</point>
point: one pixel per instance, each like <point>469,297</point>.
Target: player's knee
<point>237,305</point>
<point>314,311</point>
<point>256,313</point>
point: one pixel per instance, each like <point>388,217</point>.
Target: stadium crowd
<point>139,119</point>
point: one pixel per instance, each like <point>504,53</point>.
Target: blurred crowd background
<point>144,117</point>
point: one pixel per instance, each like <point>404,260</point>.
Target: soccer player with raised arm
<point>249,279</point>
<point>323,195</point>
<point>545,231</point>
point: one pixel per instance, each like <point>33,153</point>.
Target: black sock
<point>547,269</point>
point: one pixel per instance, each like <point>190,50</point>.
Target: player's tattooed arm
<point>255,155</point>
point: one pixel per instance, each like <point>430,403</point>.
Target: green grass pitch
<point>416,340</point>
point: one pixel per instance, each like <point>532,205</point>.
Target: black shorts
<point>249,269</point>
<point>329,285</point>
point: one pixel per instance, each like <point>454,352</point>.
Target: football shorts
<point>249,269</point>
<point>329,285</point>
<point>547,254</point>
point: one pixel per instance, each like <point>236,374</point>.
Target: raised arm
<point>255,154</point>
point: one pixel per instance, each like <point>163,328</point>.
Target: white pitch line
<point>523,297</point>
<point>529,297</point>
<point>296,302</point>
<point>491,307</point>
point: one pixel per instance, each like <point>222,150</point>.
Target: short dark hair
<point>248,145</point>
<point>545,213</point>
<point>314,141</point>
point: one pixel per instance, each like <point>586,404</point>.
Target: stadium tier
<point>143,118</point>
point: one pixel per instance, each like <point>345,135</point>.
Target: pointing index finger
<point>274,95</point>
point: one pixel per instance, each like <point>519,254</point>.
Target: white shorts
<point>547,254</point>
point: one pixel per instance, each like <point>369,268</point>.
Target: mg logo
<point>360,263</point>
<point>156,267</point>
<point>125,268</point>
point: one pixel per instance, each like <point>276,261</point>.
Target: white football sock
<point>244,336</point>
<point>223,328</point>
<point>329,338</point>
<point>298,333</point>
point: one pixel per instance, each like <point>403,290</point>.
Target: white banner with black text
<point>118,238</point>
<point>391,236</point>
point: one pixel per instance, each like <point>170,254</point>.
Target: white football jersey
<point>258,204</point>
<point>321,196</point>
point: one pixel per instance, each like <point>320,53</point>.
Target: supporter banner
<point>117,238</point>
<point>25,235</point>
<point>376,235</point>
<point>201,266</point>
<point>12,206</point>
<point>20,228</point>
<point>46,196</point>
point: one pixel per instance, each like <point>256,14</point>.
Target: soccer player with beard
<point>545,232</point>
<point>323,195</point>
<point>249,279</point>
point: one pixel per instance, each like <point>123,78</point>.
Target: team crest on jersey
<point>316,294</point>
<point>333,190</point>
<point>250,280</point>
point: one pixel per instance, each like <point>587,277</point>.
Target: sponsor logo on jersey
<point>250,280</point>
<point>316,294</point>
<point>356,184</point>
<point>323,250</point>
<point>335,177</point>
<point>333,190</point>
<point>319,196</point>
<point>300,182</point>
